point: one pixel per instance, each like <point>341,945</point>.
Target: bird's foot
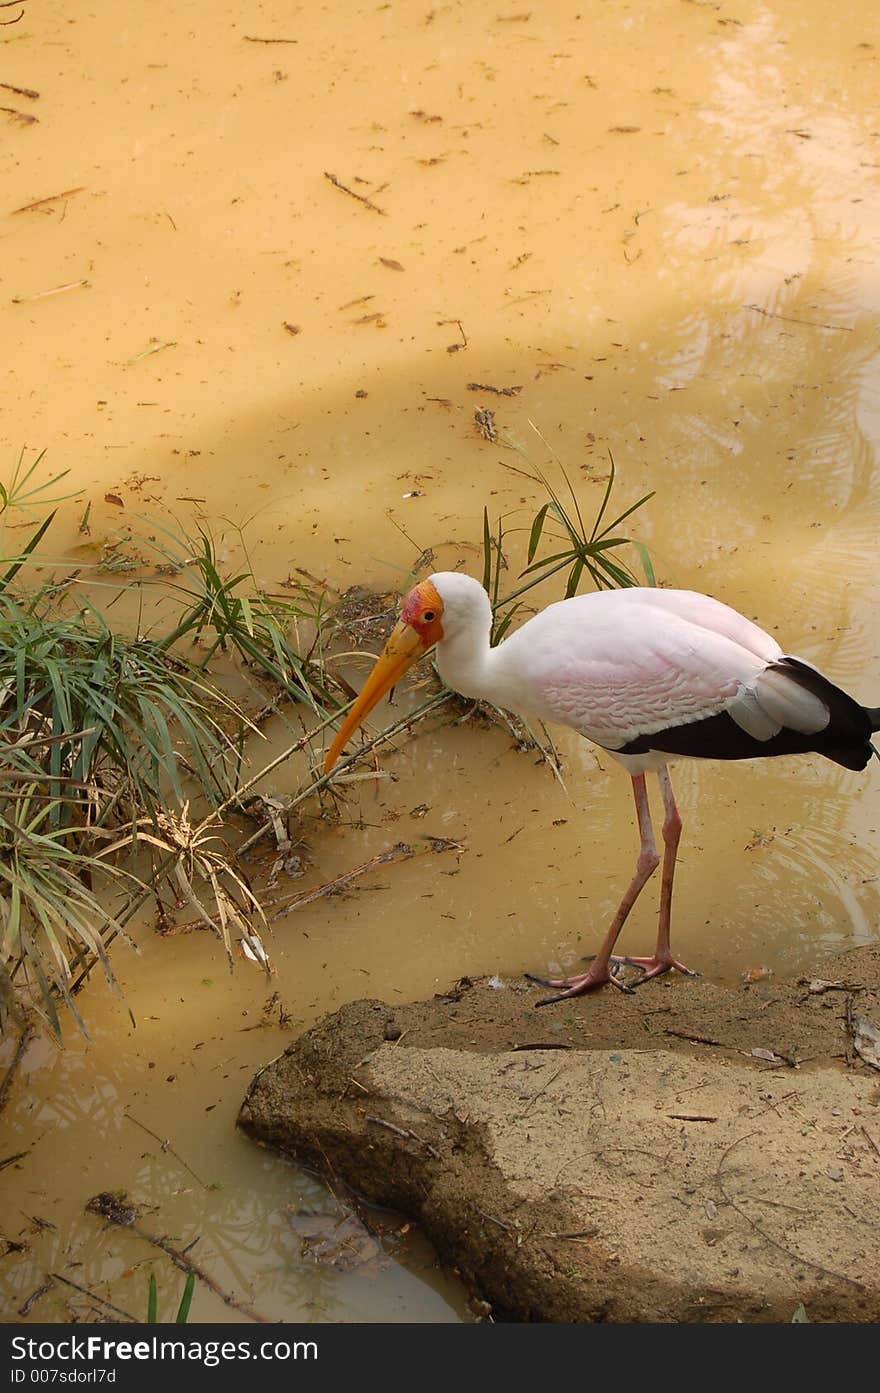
<point>578,985</point>
<point>654,967</point>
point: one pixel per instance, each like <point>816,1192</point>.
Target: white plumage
<point>649,675</point>
<point>619,664</point>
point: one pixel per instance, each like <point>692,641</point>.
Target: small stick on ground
<point>539,1091</point>
<point>867,1135</point>
<point>773,1242</point>
<point>693,1116</point>
<point>692,1035</point>
<point>343,188</point>
<point>576,1234</point>
<point>508,1228</point>
<point>390,1127</point>
<point>405,1133</point>
<point>850,1030</point>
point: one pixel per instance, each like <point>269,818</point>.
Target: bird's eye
<point>428,615</point>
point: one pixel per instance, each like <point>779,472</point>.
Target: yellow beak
<point>403,648</point>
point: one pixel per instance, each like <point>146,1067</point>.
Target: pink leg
<point>600,971</point>
<point>663,960</point>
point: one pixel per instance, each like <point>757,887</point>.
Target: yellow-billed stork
<point>649,675</point>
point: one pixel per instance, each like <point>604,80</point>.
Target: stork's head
<point>419,628</point>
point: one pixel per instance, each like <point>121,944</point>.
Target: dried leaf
<point>334,1241</point>
<point>114,499</point>
<point>757,974</point>
<point>866,1039</point>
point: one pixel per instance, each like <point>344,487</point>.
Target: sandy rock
<point>572,1178</point>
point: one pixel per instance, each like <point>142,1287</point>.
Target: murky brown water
<point>662,222</point>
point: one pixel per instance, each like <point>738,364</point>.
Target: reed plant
<point>106,741</point>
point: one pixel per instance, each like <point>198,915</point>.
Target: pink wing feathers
<point>624,665</point>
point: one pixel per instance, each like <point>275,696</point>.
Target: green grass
<point>592,553</point>
<point>185,1301</point>
<point>107,741</point>
<point>233,613</point>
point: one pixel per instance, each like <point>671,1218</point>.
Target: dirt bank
<point>610,1158</point>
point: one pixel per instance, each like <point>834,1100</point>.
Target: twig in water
<point>19,1155</point>
<point>116,1212</point>
<point>499,391</point>
<point>95,1297</point>
<point>401,852</point>
<point>34,1298</point>
<point>165,1145</point>
<point>24,118</point>
<point>343,188</point>
<point>21,92</point>
<point>50,198</point>
<point>24,1040</point>
<point>810,323</point>
<point>439,699</point>
<point>44,294</point>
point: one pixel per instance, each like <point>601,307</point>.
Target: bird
<point>648,674</point>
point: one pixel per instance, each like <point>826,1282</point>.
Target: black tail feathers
<point>847,738</point>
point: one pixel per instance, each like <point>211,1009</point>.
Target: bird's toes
<point>542,982</point>
<point>577,986</point>
<point>651,968</point>
<point>616,980</point>
<point>549,1000</point>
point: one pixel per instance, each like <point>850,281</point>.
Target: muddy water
<point>661,224</point>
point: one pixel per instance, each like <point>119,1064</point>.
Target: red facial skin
<point>418,630</point>
<point>422,610</point>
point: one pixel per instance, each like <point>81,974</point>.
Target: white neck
<point>465,662</point>
<point>464,658</point>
